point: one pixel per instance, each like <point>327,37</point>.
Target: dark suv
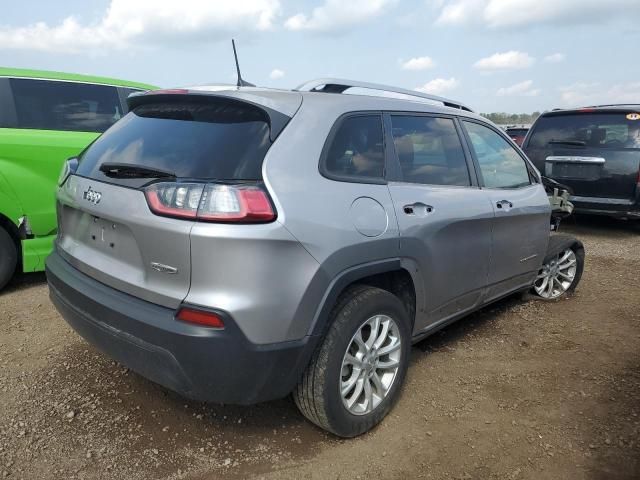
<point>596,152</point>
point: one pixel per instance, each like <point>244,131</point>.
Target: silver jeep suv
<point>239,244</point>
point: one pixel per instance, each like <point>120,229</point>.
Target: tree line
<point>502,118</point>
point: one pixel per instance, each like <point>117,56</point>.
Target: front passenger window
<point>500,165</point>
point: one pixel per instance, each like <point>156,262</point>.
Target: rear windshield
<point>600,130</point>
<point>218,140</point>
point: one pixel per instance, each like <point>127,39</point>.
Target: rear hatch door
<point>596,153</point>
<point>107,232</point>
<point>106,227</point>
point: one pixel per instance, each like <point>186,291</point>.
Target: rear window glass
<point>600,130</point>
<point>357,149</point>
<point>69,106</point>
<point>221,140</point>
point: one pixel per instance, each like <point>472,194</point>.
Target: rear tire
<point>8,257</point>
<point>369,368</point>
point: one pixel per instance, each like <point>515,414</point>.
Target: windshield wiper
<point>127,170</point>
<point>575,143</point>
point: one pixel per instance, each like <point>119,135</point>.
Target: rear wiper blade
<point>577,143</point>
<point>128,170</point>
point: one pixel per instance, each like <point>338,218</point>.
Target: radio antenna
<point>241,82</point>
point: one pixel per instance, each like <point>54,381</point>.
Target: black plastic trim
<point>559,242</point>
<point>341,281</point>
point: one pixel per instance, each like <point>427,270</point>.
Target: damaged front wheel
<point>559,274</point>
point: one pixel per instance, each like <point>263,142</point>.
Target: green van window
<point>68,106</point>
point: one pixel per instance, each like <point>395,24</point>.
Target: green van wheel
<point>8,257</point>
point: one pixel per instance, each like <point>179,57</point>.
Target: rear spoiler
<point>277,120</point>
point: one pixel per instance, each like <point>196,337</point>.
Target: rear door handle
<point>504,204</point>
<point>418,209</point>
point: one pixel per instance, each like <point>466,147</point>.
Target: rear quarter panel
<point>322,213</point>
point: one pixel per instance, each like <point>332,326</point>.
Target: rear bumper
<point>613,207</point>
<point>197,362</point>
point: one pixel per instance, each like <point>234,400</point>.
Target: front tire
<point>8,257</point>
<point>355,377</point>
<point>560,274</point>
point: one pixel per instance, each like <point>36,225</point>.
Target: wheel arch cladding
<point>388,275</point>
<point>559,242</point>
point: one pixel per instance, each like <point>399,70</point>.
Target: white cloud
<point>555,58</point>
<point>438,86</point>
<point>276,73</point>
<point>337,15</point>
<point>459,12</point>
<point>418,63</point>
<point>518,13</point>
<point>126,23</point>
<point>583,94</point>
<point>522,89</point>
<point>505,61</point>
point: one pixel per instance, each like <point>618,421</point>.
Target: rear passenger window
<point>501,166</point>
<point>430,151</point>
<point>70,106</point>
<point>357,149</point>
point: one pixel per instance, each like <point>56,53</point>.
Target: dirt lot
<point>519,390</point>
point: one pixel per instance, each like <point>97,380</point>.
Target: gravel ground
<point>519,390</point>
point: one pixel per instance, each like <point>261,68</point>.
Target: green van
<point>45,118</point>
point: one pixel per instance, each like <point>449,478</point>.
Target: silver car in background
<point>240,244</point>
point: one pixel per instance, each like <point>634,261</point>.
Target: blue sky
<point>494,55</point>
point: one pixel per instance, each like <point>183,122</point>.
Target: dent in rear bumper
<point>196,362</point>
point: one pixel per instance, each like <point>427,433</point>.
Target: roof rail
<point>614,105</point>
<point>338,85</point>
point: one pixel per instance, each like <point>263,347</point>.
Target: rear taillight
<point>200,317</point>
<point>235,203</point>
<point>180,200</point>
<point>213,202</point>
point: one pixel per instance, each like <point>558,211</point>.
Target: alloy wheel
<point>557,276</point>
<point>370,364</point>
